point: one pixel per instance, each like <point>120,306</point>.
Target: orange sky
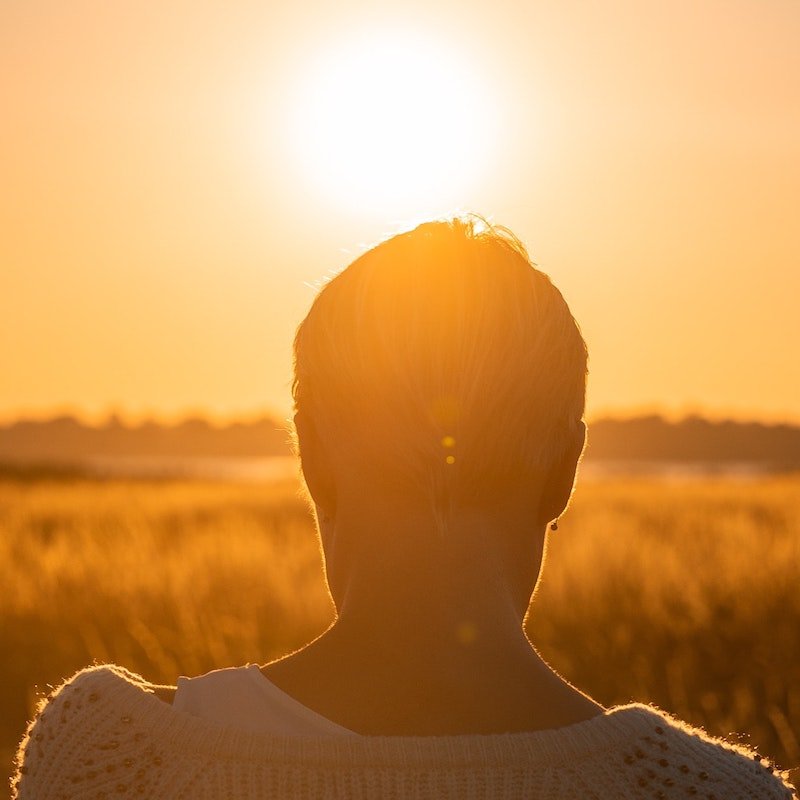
<point>158,231</point>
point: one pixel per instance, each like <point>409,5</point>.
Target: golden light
<point>392,121</point>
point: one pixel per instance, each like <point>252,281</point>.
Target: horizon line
<point>223,419</point>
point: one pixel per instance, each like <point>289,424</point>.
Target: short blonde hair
<point>445,357</point>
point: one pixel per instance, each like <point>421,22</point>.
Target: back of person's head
<point>443,362</point>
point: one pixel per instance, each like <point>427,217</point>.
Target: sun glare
<point>392,121</point>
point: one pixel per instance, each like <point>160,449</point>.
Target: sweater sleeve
<point>82,744</point>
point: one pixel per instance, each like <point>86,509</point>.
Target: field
<point>683,594</point>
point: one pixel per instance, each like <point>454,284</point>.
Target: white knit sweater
<point>104,734</point>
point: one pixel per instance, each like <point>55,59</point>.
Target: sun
<point>391,121</point>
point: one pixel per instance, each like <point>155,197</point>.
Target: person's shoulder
<point>99,677</point>
<point>669,755</point>
<point>92,688</point>
<point>81,729</point>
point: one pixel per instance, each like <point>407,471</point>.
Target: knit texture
<point>104,734</point>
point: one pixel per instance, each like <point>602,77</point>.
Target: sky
<point>179,176</point>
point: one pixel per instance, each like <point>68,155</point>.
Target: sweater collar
<point>127,694</point>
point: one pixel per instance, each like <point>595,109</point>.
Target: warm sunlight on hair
<point>444,358</point>
<point>390,120</point>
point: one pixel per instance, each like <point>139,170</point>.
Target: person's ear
<point>561,478</point>
<point>316,465</point>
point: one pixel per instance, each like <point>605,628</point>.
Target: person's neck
<point>431,624</point>
<point>398,581</point>
<point>429,666</point>
<point>429,639</point>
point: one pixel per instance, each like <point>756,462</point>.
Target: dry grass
<point>682,594</point>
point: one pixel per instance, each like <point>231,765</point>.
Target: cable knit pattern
<point>104,734</point>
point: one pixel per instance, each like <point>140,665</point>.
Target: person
<point>439,394</point>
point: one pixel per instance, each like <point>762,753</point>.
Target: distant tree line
<point>694,440</point>
<point>65,439</point>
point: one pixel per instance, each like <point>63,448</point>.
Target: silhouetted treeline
<point>67,439</point>
<point>694,440</point>
<point>650,438</point>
